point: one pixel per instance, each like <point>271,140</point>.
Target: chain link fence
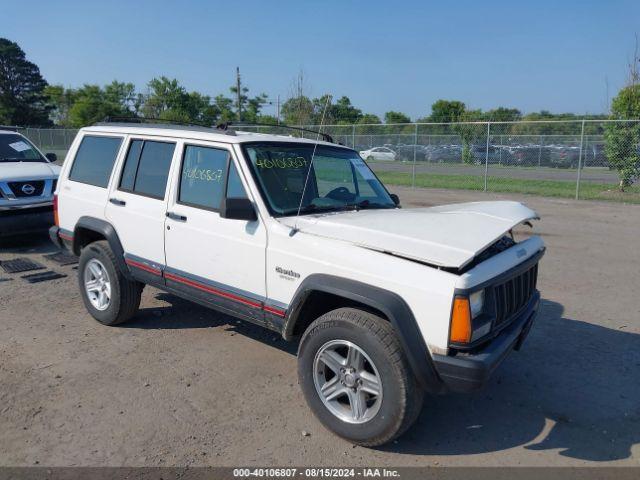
<point>573,159</point>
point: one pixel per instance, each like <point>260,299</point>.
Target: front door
<point>218,260</point>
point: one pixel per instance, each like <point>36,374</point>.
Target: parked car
<point>27,181</point>
<point>407,153</point>
<point>301,237</point>
<point>564,156</point>
<point>444,153</point>
<point>379,153</point>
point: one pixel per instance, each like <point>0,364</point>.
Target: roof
<point>198,133</point>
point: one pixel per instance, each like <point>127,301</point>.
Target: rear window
<point>94,160</point>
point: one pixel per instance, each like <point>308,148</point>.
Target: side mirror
<point>52,157</point>
<point>238,209</point>
<point>395,198</point>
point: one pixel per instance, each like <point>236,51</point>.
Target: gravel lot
<point>183,385</point>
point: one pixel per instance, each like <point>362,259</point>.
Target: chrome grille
<point>27,189</point>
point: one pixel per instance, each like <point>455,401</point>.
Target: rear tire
<point>332,389</point>
<point>107,294</point>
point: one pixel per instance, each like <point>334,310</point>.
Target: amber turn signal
<point>460,321</point>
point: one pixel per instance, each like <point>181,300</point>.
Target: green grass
<point>546,188</point>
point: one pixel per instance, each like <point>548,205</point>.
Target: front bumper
<point>467,372</point>
<point>19,221</point>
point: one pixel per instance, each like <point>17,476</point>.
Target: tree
<point>369,118</point>
<point>92,103</point>
<point>22,97</point>
<point>447,111</point>
<point>503,114</point>
<point>249,107</point>
<point>343,112</point>
<point>396,117</point>
<point>168,100</point>
<point>622,140</point>
<point>224,107</point>
<point>298,111</point>
<point>268,119</point>
<point>61,100</point>
<point>470,133</point>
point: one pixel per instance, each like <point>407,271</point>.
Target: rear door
<point>137,202</point>
<point>221,261</point>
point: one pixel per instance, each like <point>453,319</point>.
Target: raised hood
<point>446,236</point>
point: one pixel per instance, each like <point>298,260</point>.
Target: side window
<point>94,160</point>
<point>128,178</point>
<point>202,177</point>
<point>235,189</point>
<point>146,168</point>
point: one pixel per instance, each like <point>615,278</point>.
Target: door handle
<point>116,201</point>
<point>175,216</point>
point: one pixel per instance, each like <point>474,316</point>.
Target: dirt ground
<point>182,385</point>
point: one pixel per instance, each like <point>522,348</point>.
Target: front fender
<point>389,303</point>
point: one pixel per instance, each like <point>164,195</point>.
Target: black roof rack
<point>162,123</point>
<point>10,128</point>
<point>225,125</point>
<point>221,127</point>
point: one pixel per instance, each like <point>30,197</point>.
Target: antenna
<point>313,154</point>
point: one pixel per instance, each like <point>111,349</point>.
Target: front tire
<point>107,294</point>
<point>355,377</point>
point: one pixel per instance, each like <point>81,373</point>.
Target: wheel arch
<point>377,300</point>
<point>91,229</point>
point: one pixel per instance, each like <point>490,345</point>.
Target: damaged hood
<point>447,236</point>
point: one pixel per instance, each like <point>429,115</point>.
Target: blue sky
<point>384,55</point>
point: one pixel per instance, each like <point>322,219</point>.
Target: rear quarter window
<point>94,160</point>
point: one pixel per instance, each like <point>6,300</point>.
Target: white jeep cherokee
<point>302,238</point>
<point>27,182</point>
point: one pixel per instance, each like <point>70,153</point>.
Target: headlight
<point>465,309</point>
<point>476,302</point>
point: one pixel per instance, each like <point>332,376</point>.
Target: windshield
<point>338,180</point>
<point>16,148</point>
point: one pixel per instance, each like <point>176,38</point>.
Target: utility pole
<point>278,109</point>
<point>238,95</point>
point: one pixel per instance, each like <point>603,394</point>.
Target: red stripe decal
<point>142,266</point>
<point>64,236</point>
<point>215,291</point>
<point>275,311</point>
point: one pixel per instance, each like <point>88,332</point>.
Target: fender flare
<point>109,233</point>
<point>390,304</point>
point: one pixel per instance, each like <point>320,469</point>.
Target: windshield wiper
<point>312,208</point>
<point>364,204</point>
